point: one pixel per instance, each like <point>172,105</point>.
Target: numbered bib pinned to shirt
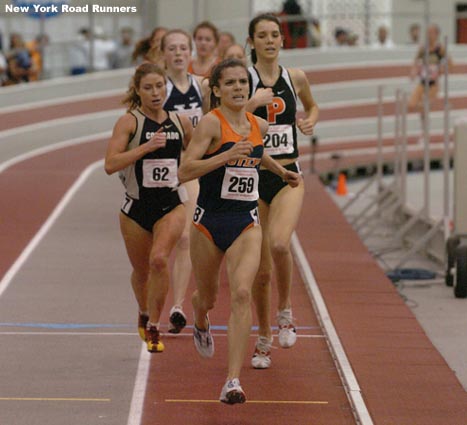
<point>240,184</point>
<point>194,114</point>
<point>279,140</point>
<point>160,173</point>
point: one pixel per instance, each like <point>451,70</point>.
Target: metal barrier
<point>389,203</point>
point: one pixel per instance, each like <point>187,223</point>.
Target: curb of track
<point>351,386</point>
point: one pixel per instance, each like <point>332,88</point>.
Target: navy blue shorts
<point>147,214</point>
<point>271,184</point>
<point>223,228</point>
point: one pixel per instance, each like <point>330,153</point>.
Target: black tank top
<point>188,104</point>
<point>281,140</point>
<point>433,67</point>
<point>155,175</point>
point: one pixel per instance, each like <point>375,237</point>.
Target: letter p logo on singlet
<point>276,107</point>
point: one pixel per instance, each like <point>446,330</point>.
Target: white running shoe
<point>287,332</point>
<point>177,320</point>
<point>203,341</point>
<point>262,356</point>
<point>232,392</point>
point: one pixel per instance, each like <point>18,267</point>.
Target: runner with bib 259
<point>225,153</point>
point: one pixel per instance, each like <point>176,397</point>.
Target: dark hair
<point>291,7</point>
<point>144,45</point>
<point>132,99</point>
<point>209,26</point>
<point>216,75</point>
<point>252,29</point>
<point>176,31</point>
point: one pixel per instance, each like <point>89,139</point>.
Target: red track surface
<point>68,109</point>
<point>303,373</point>
<point>30,191</point>
<point>404,379</point>
<point>324,76</point>
<point>31,116</point>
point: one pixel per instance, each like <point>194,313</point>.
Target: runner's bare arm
<point>117,156</point>
<point>310,107</point>
<point>290,177</point>
<point>205,136</point>
<point>187,130</point>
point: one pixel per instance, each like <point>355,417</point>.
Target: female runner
<point>185,97</point>
<point>429,72</point>
<point>225,153</point>
<point>145,149</point>
<point>275,91</point>
<point>206,38</point>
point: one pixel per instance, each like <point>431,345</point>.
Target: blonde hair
<point>132,99</point>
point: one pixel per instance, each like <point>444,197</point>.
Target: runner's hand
<point>263,97</point>
<point>157,141</point>
<point>241,149</point>
<point>293,179</point>
<point>306,126</point>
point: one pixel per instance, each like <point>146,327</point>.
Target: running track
<point>396,365</point>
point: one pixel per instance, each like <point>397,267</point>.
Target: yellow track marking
<point>97,400</point>
<point>253,401</point>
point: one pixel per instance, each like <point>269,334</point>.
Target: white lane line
<point>49,148</point>
<point>139,390</point>
<point>16,266</point>
<point>61,121</point>
<point>133,334</point>
<point>352,388</point>
<point>65,100</point>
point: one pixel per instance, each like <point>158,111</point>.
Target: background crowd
<point>23,61</point>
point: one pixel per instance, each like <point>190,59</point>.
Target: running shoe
<point>262,356</point>
<point>287,332</point>
<point>232,392</point>
<point>203,341</point>
<point>177,320</point>
<point>153,340</point>
<point>142,323</point>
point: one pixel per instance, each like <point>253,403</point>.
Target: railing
<point>388,201</point>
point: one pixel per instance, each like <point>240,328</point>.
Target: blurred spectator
<point>414,33</point>
<point>352,39</point>
<point>383,38</point>
<point>340,36</point>
<point>149,49</point>
<point>295,30</point>
<point>206,38</point>
<point>20,67</point>
<point>314,30</point>
<point>226,39</point>
<point>78,55</point>
<point>103,50</point>
<point>3,68</point>
<point>36,50</point>
<point>235,51</point>
<point>121,57</point>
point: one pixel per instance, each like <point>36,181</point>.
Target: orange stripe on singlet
<point>229,135</point>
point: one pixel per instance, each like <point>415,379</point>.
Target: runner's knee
<point>241,296</point>
<point>279,249</point>
<point>158,262</point>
